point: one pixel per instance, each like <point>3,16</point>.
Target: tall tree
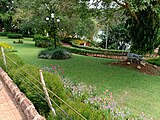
<point>143,24</point>
<point>6,13</point>
<point>142,20</point>
<point>33,13</point>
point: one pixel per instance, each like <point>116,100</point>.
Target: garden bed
<point>147,69</point>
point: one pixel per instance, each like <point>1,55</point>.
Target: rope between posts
<point>49,90</point>
<point>31,88</point>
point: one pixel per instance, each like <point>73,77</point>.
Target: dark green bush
<point>42,41</point>
<point>155,61</point>
<point>59,54</point>
<point>15,36</point>
<point>3,33</point>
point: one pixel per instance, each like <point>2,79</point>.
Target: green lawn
<point>143,90</point>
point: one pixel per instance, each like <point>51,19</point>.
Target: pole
<point>46,92</point>
<point>4,58</point>
<point>107,37</point>
<point>54,34</point>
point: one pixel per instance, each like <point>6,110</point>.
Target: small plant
<point>6,46</point>
<point>19,41</point>
<point>59,54</point>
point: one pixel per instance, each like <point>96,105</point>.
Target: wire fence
<point>8,62</point>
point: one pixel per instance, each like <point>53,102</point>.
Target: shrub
<point>79,42</point>
<point>155,61</point>
<point>26,73</point>
<point>40,37</point>
<point>86,110</point>
<point>10,64</point>
<point>19,42</point>
<point>14,36</point>
<point>69,40</point>
<point>42,41</point>
<point>3,33</point>
<point>59,54</point>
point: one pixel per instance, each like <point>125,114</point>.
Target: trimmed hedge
<point>99,49</point>
<point>3,33</point>
<point>29,36</point>
<point>15,36</point>
<point>85,51</point>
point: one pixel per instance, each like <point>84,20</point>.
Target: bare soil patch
<point>146,69</point>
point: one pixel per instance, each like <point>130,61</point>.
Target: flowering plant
<point>6,46</point>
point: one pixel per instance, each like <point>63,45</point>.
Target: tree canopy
<point>71,13</point>
<point>141,18</point>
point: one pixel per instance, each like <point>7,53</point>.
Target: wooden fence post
<point>46,92</point>
<point>4,58</point>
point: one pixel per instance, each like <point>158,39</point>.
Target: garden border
<point>25,104</point>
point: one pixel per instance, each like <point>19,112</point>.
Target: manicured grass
<point>142,90</point>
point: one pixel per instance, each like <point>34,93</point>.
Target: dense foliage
<point>42,41</point>
<point>7,10</point>
<point>144,27</point>
<point>141,20</point>
<point>118,37</point>
<point>142,23</point>
<point>71,13</point>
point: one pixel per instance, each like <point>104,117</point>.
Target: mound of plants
<point>51,53</point>
<point>15,36</point>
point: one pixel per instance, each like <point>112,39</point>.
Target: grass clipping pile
<point>142,66</point>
